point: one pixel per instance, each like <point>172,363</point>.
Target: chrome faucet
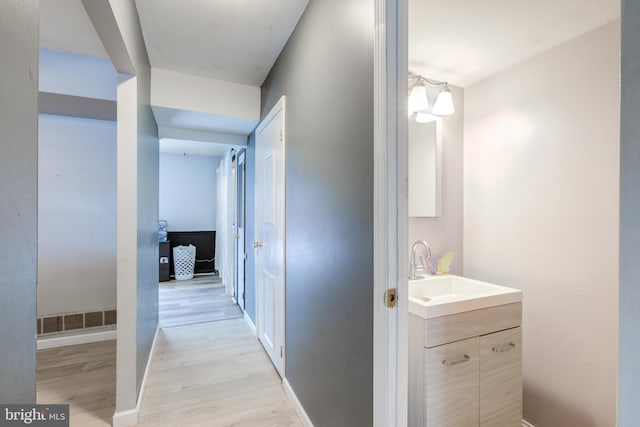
<point>418,267</point>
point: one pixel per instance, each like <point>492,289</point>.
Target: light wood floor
<point>83,376</point>
<point>201,299</point>
<point>213,374</point>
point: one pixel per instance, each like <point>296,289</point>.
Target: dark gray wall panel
<point>18,198</point>
<point>326,72</point>
<point>77,106</point>
<point>629,370</point>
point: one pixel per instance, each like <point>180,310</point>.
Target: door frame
<point>241,182</point>
<point>277,108</point>
<point>233,217</point>
<point>390,252</point>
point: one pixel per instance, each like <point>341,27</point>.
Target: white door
<point>269,244</point>
<point>240,243</point>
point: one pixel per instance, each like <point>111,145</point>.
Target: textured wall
<point>326,72</point>
<point>18,198</point>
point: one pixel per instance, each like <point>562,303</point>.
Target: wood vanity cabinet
<point>469,372</point>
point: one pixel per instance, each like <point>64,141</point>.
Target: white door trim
<point>390,341</point>
<point>241,231</point>
<point>277,108</point>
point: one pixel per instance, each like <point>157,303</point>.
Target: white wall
<point>77,214</point>
<point>188,191</point>
<point>78,75</point>
<point>118,25</point>
<point>541,168</point>
<point>444,234</point>
<point>194,93</point>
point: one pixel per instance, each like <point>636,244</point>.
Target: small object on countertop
<point>162,224</point>
<point>433,265</point>
<point>445,263</point>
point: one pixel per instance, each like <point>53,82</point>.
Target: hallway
<point>213,374</point>
<point>198,300</point>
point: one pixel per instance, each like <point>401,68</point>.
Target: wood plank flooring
<point>201,299</point>
<point>213,374</point>
<point>84,376</point>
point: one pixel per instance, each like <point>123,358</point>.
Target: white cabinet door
<point>452,384</point>
<point>501,379</point>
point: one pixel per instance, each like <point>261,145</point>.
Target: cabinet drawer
<point>501,379</point>
<point>452,384</point>
<point>455,327</point>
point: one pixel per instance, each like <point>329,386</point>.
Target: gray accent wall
<point>148,191</point>
<point>326,72</point>
<point>18,198</point>
<point>629,334</point>
<point>250,222</point>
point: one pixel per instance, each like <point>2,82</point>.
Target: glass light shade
<point>418,98</point>
<point>444,103</point>
<point>425,118</point>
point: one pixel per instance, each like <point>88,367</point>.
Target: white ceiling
<point>194,148</point>
<point>183,119</point>
<point>464,41</point>
<point>232,40</point>
<point>65,26</point>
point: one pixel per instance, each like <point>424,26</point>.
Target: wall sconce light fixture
<point>418,101</point>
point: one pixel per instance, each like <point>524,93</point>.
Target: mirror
<point>425,168</point>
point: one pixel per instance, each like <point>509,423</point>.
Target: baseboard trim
<point>302,414</point>
<point>130,417</point>
<point>526,423</point>
<point>143,385</point>
<point>251,325</point>
<point>74,339</point>
<point>125,418</point>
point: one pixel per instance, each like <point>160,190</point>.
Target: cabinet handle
<point>502,349</point>
<point>464,359</point>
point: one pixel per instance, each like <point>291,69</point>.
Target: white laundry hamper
<point>184,260</point>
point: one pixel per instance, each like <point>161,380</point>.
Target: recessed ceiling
<point>65,26</point>
<point>232,40</point>
<point>464,41</point>
<point>194,148</point>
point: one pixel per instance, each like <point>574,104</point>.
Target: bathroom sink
<point>435,296</point>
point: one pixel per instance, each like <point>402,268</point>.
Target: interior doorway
<point>197,208</point>
<point>270,234</point>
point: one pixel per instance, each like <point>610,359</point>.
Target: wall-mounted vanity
<point>465,353</point>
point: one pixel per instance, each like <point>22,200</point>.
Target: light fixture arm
<point>417,78</point>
